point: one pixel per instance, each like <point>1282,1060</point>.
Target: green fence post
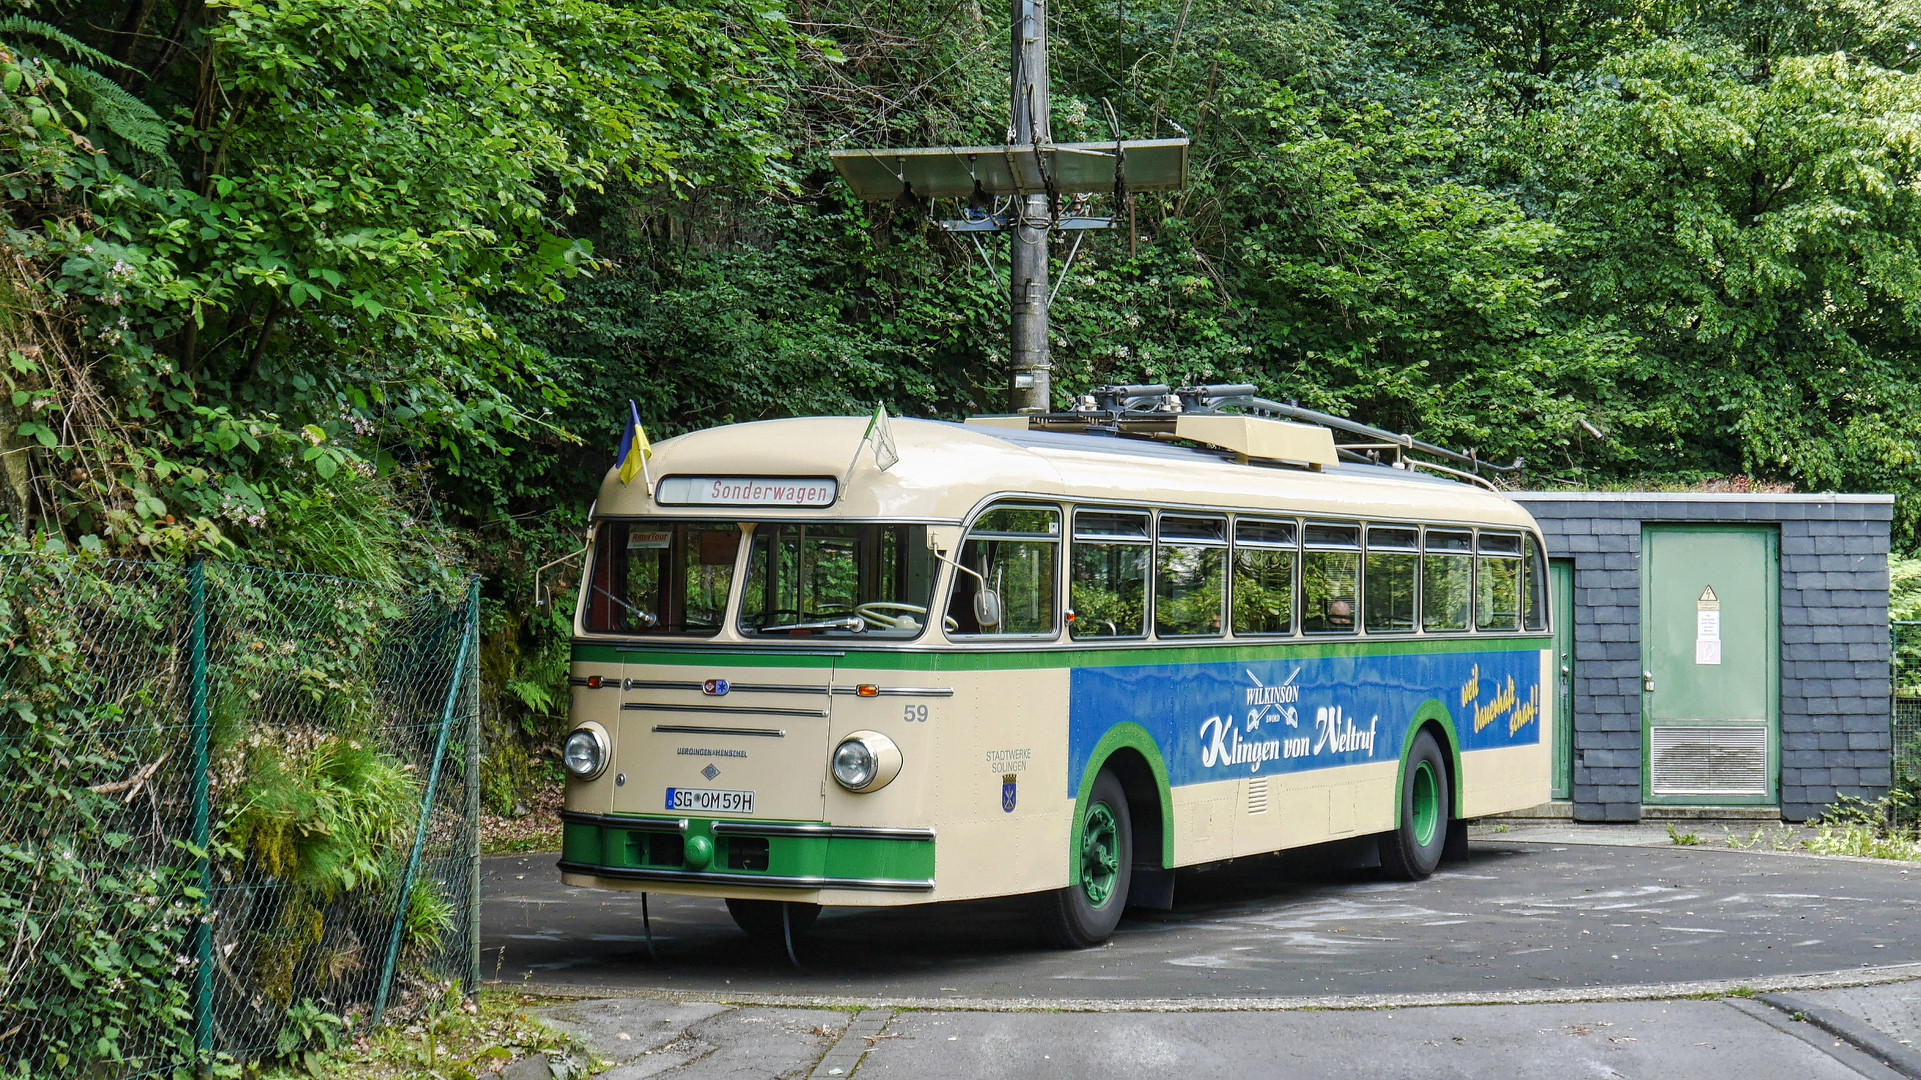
<point>473,788</point>
<point>454,688</point>
<point>202,811</point>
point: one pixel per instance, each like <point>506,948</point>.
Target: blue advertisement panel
<point>1223,721</point>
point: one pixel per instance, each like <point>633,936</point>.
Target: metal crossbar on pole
<point>455,692</point>
<point>1017,189</point>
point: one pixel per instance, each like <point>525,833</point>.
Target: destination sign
<point>807,491</point>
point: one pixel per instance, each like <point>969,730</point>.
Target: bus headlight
<point>585,752</point>
<point>866,761</point>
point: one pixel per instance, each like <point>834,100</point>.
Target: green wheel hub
<point>1100,855</point>
<point>1426,804</point>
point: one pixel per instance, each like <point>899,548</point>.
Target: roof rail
<point>1153,411</point>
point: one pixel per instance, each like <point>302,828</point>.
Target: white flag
<point>882,432</point>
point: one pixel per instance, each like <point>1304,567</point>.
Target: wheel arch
<point>1136,761</point>
<point>1432,716</point>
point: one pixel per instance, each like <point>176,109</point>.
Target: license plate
<point>707,801</point>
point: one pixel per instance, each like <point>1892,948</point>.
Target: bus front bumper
<point>749,855</point>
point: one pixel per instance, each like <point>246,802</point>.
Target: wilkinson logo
<point>1266,704</point>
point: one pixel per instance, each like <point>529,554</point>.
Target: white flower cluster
<point>358,424</point>
<point>236,511</point>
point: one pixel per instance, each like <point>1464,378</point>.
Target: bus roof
<point>945,470</point>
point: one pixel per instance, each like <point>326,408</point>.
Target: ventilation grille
<point>1709,760</point>
<point>1257,796</point>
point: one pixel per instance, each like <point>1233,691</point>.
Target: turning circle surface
<point>1516,917</point>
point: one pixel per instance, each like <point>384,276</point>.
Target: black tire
<point>761,918</point>
<point>1070,918</point>
<point>1413,850</point>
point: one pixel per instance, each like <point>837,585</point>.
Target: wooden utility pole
<point>1032,389</point>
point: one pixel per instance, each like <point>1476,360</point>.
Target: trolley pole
<point>1032,389</point>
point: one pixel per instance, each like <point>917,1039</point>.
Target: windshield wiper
<point>853,624</point>
<point>647,618</point>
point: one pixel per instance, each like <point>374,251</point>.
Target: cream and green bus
<point>1031,655</point>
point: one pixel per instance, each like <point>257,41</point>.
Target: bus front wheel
<point>1100,868</point>
<point>1412,851</point>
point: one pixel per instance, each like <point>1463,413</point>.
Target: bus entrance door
<point>704,738</point>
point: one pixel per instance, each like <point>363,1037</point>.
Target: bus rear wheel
<point>761,918</point>
<point>1100,869</point>
<point>1413,850</point>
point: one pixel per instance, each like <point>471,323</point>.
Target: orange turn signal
<point>866,690</point>
<point>593,682</point>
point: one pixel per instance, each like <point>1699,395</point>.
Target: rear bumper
<point>747,855</point>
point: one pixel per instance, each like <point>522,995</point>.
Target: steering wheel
<point>877,617</point>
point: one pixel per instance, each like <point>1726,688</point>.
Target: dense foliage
<point>363,287</point>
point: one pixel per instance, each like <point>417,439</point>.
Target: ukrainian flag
<point>634,448</point>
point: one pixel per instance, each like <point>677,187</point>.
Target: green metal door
<point>1560,577</point>
<point>1710,655</point>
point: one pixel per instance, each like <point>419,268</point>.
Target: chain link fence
<point>1905,713</point>
<point>234,803</point>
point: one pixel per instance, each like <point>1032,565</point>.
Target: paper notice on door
<point>1707,652</point>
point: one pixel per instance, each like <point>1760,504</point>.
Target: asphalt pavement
<point>1586,950</point>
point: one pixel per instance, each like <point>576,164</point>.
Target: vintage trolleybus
<point>1056,655</point>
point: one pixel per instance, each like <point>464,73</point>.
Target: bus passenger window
<point>1534,586</point>
<point>1330,578</point>
<point>1497,579</point>
<point>1264,576</point>
<point>1014,552</point>
<point>1190,582</point>
<point>1447,580</point>
<point>1107,595</point>
<point>1392,555</point>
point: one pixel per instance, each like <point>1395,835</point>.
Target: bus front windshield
<point>806,579</point>
<point>661,577</point>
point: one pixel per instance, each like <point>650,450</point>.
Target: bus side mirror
<point>987,609</point>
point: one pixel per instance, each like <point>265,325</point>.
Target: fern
<point>126,117</point>
<point>20,25</point>
<point>108,105</point>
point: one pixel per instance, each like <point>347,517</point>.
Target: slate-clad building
<point>1721,650</point>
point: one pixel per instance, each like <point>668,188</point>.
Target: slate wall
<point>1834,637</point>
